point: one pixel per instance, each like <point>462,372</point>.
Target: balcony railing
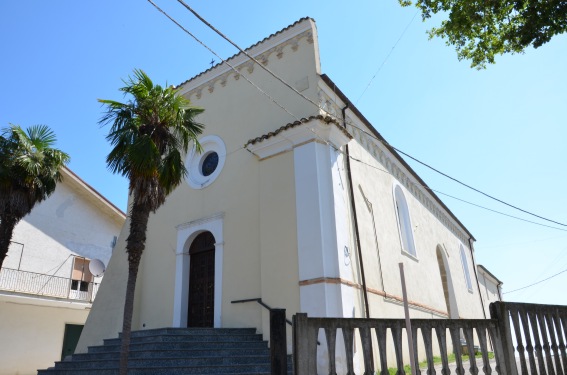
<point>46,285</point>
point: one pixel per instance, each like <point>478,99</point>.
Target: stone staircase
<point>195,351</point>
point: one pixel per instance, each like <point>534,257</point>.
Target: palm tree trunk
<point>7,224</point>
<point>135,245</point>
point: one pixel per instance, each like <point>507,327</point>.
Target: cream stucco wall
<point>252,199</point>
<point>105,317</point>
<point>32,332</point>
<point>375,173</point>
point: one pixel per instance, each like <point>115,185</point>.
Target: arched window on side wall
<point>465,264</point>
<point>404,222</point>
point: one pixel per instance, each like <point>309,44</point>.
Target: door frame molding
<point>186,233</point>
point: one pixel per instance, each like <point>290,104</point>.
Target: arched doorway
<point>448,292</point>
<point>200,311</point>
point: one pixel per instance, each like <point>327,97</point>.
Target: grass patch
<point>437,361</point>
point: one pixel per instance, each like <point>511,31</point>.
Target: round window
<point>204,167</point>
<point>210,163</point>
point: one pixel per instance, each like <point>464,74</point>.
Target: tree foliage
<point>149,134</point>
<point>29,172</point>
<point>483,29</point>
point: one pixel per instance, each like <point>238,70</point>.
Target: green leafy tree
<point>149,134</point>
<point>483,29</point>
<point>29,173</point>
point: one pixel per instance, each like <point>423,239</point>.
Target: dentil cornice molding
<point>275,47</point>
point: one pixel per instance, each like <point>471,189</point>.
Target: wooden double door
<point>202,281</point>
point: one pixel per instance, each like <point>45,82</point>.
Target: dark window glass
<point>74,284</point>
<point>210,163</point>
<point>84,286</point>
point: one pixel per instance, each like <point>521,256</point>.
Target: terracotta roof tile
<point>325,119</point>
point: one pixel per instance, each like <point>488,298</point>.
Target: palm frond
<point>41,136</point>
<point>30,167</point>
<point>171,171</point>
<point>149,134</point>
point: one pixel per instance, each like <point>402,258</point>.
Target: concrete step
<point>187,338</point>
<point>165,362</point>
<point>193,351</point>
<point>179,371</point>
<point>173,353</point>
<point>193,331</point>
<point>206,345</point>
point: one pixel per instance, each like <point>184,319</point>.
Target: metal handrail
<point>44,285</point>
<point>259,300</point>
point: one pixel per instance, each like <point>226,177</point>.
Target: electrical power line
<point>234,69</point>
<point>386,59</point>
<point>246,53</point>
<point>478,191</point>
<point>459,199</point>
<point>498,212</point>
<point>537,282</point>
<point>223,60</point>
<point>246,78</point>
<point>319,107</point>
<point>384,142</point>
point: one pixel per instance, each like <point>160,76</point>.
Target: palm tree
<point>149,134</point>
<point>29,172</point>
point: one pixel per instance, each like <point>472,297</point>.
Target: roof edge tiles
<point>246,49</point>
<point>325,119</point>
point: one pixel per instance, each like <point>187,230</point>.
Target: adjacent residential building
<point>296,199</point>
<point>490,287</point>
<point>46,288</point>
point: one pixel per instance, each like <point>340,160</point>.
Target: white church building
<point>306,208</point>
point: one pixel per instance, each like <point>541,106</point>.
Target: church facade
<point>297,200</point>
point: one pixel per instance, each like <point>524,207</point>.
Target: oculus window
<point>204,167</point>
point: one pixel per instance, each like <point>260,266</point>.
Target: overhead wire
<point>238,72</point>
<point>384,142</point>
<point>459,199</point>
<point>537,282</point>
<point>223,60</point>
<point>387,56</point>
<point>498,212</point>
<point>477,190</point>
<point>548,267</point>
<point>246,53</point>
<point>318,106</point>
<point>333,116</point>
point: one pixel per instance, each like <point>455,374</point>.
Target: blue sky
<point>501,130</point>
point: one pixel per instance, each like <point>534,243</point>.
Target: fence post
<point>504,344</point>
<point>300,345</point>
<point>278,343</point>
